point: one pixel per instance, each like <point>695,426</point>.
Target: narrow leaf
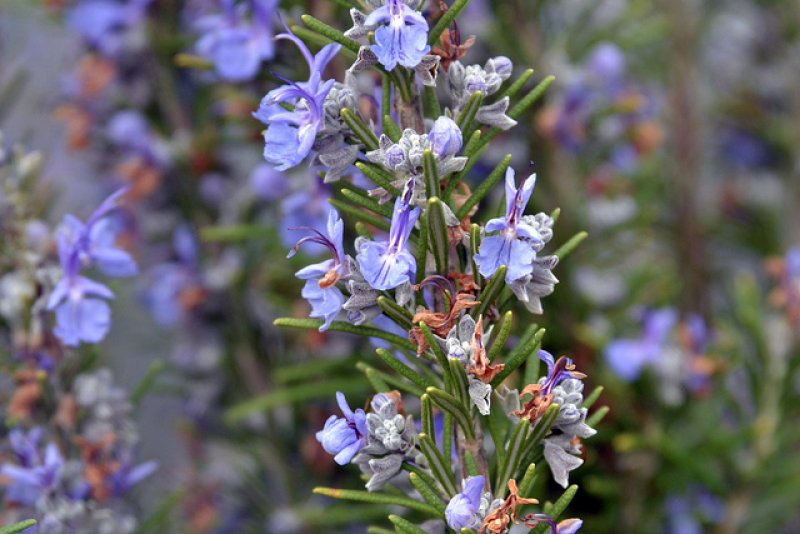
<point>485,187</point>
<point>515,87</point>
<point>427,493</point>
<point>445,20</point>
<point>379,176</point>
<point>341,326</point>
<point>18,527</point>
<point>467,115</point>
<point>436,463</point>
<point>378,498</point>
<point>519,357</point>
<point>597,416</point>
<point>404,526</point>
<point>430,173</point>
<point>402,368</point>
<point>391,128</point>
<point>491,291</point>
<point>565,249</point>
<point>395,312</point>
<point>589,401</point>
<point>502,335</point>
<point>437,234</point>
<point>361,130</point>
<point>331,33</point>
<point>360,215</point>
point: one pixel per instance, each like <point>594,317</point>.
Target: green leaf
<point>445,20</point>
<point>147,381</point>
<point>460,383</point>
<point>234,233</point>
<point>426,414</point>
<point>485,187</point>
<point>452,405</point>
<point>500,341</point>
<point>341,326</point>
<point>422,247</point>
<point>573,242</point>
<point>391,381</point>
<point>532,364</point>
<point>378,498</point>
<point>474,246</point>
<point>360,215</point>
<point>597,416</point>
<point>589,401</point>
<point>365,201</point>
<point>556,509</point>
<point>379,176</point>
<point>158,521</point>
<point>361,130</point>
<point>18,527</point>
<point>468,112</point>
<point>430,103</point>
<point>293,394</point>
<point>402,368</point>
<point>427,493</point>
<point>528,100</point>
<point>515,87</point>
<point>541,428</point>
<point>471,464</point>
<point>379,530</point>
<point>430,173</point>
<point>374,377</point>
<point>395,312</point>
<point>331,33</point>
<point>437,234</point>
<point>526,484</point>
<point>519,357</point>
<point>438,352</point>
<point>437,465</point>
<point>391,129</point>
<point>514,453</point>
<point>404,526</point>
<point>491,291</point>
<point>313,37</point>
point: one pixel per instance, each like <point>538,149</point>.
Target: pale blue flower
<point>627,357</point>
<point>401,36</point>
<point>320,290</point>
<point>513,246</point>
<point>388,264</point>
<point>291,133</point>
<point>344,436</point>
<point>463,509</point>
<point>445,137</point>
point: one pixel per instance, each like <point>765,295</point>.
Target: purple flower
<point>33,475</point>
<point>606,62</point>
<point>463,509</point>
<point>344,436</point>
<point>79,317</point>
<point>402,36</point>
<point>445,136</point>
<point>127,476</point>
<point>627,357</point>
<point>236,44</point>
<point>388,264</point>
<point>320,290</point>
<point>557,371</point>
<point>513,246</point>
<point>567,526</point>
<point>268,183</point>
<point>106,24</point>
<point>290,134</point>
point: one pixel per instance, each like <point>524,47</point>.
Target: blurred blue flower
<point>127,476</point>
<point>344,436</point>
<point>290,133</point>
<point>402,36</point>
<point>320,290</point>
<point>235,43</point>
<point>308,208</point>
<point>106,24</point>
<point>463,509</point>
<point>33,475</point>
<point>627,357</point>
<point>268,183</point>
<point>511,247</point>
<point>79,316</point>
<point>388,264</point>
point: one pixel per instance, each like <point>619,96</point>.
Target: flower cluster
<point>429,287</point>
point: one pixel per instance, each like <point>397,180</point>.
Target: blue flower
<point>320,290</point>
<point>235,45</point>
<point>127,476</point>
<point>107,24</point>
<point>557,371</point>
<point>627,357</point>
<point>34,474</point>
<point>446,138</point>
<point>388,264</point>
<point>402,36</point>
<point>513,246</point>
<point>290,133</point>
<point>80,315</point>
<point>309,208</point>
<point>268,183</point>
<point>344,436</point>
<point>463,509</point>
